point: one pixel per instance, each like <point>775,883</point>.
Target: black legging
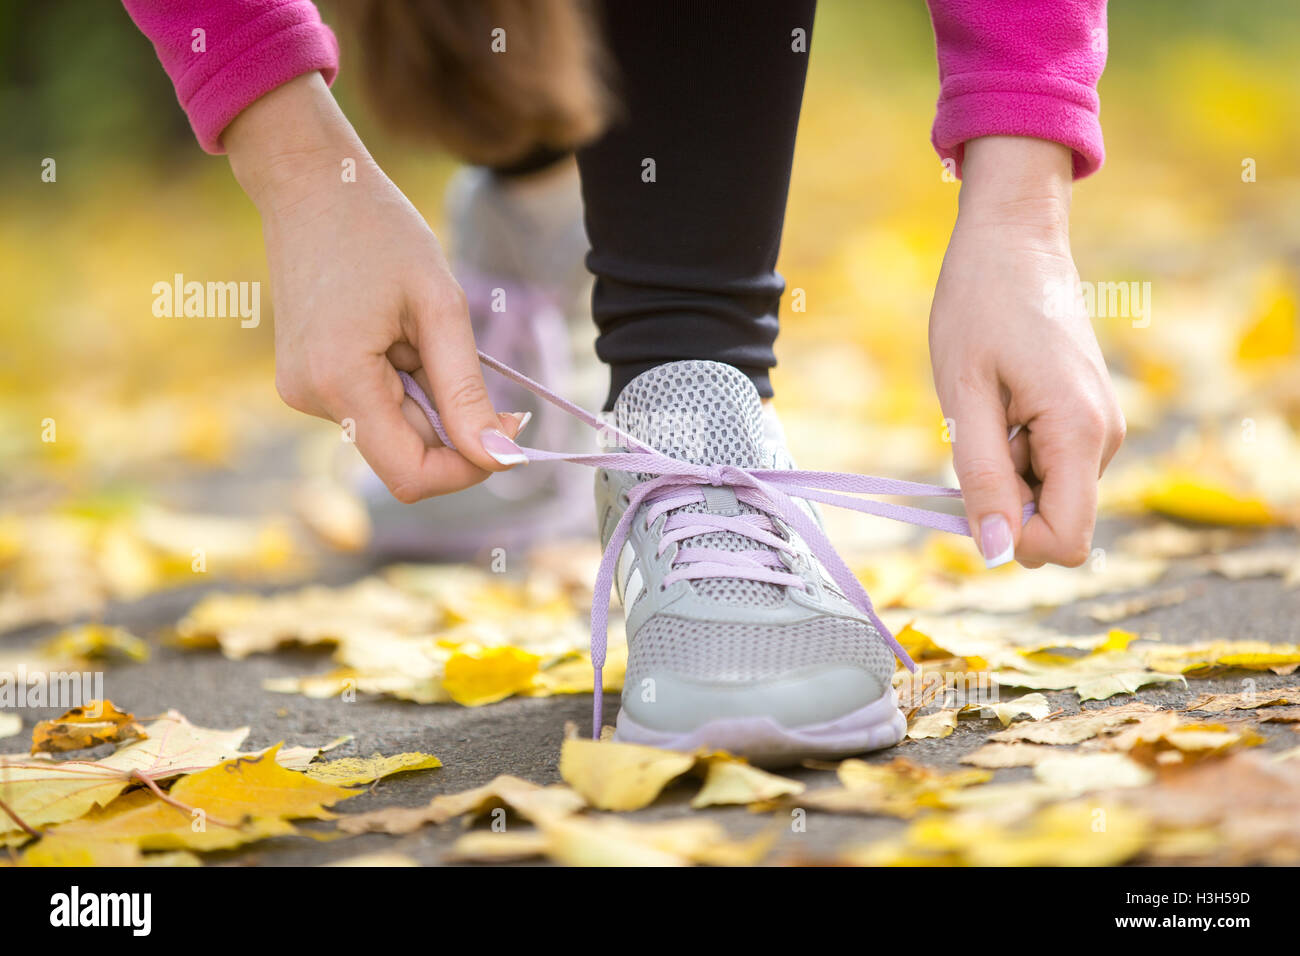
<point>685,265</point>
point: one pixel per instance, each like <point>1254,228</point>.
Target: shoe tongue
<point>706,413</point>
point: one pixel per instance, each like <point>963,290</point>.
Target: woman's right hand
<point>361,289</point>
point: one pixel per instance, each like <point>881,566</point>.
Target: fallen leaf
<point>1111,612</point>
<point>1106,686</point>
<point>996,755</point>
<point>498,846</point>
<point>44,791</point>
<point>1074,728</point>
<point>1097,676</point>
<point>334,513</point>
<point>1204,500</point>
<point>939,724</point>
<point>1282,560</point>
<point>81,728</point>
<point>734,781</point>
<point>1168,737</point>
<point>1250,802</point>
<point>487,677</point>
<point>1033,706</point>
<point>1246,700</point>
<point>95,640</point>
<point>1069,834</point>
<point>530,800</point>
<point>619,776</point>
<point>350,771</point>
<point>1204,660</point>
<point>577,841</point>
<point>63,851</point>
<point>899,788</point>
<point>376,860</point>
<point>1075,773</point>
<point>244,799</point>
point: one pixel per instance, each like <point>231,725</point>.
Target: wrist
<point>1017,181</point>
<point>284,143</point>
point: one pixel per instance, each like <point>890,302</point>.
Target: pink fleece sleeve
<point>1020,68</point>
<point>246,49</point>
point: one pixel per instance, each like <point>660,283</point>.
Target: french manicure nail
<point>523,418</point>
<point>995,541</point>
<point>501,448</point>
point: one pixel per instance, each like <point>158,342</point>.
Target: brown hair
<point>431,71</point>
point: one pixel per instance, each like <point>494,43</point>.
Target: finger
<point>404,356</point>
<point>1020,453</point>
<point>989,482</point>
<point>446,345</point>
<point>1060,531</point>
<point>511,423</point>
<point>372,398</point>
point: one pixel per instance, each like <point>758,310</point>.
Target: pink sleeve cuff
<point>1015,105</point>
<point>1020,68</point>
<point>251,47</point>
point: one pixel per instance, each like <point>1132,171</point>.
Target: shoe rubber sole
<point>762,740</point>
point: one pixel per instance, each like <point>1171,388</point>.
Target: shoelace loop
<point>768,490</point>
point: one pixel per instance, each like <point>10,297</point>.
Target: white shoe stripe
<point>626,558</point>
<point>635,588</point>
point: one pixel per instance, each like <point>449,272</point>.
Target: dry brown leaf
<point>81,728</point>
<point>1074,728</point>
<point>1111,612</point>
<point>530,800</point>
<point>996,755</point>
<point>1250,802</point>
<point>1246,700</point>
<point>899,788</point>
<point>1168,737</point>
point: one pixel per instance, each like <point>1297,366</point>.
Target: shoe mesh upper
<point>710,413</point>
<point>726,652</point>
<point>707,413</point>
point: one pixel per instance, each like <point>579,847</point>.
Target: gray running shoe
<point>774,662</point>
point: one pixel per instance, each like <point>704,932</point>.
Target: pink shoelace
<point>677,483</point>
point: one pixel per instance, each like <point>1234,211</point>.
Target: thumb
<point>990,486</point>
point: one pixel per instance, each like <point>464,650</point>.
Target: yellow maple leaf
<point>94,640</point>
<point>1191,497</point>
<point>1273,334</point>
<point>235,802</point>
<point>43,791</point>
<point>489,676</point>
<point>732,781</point>
<point>57,850</point>
<point>354,770</point>
<point>618,776</point>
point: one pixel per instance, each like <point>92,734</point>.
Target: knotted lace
<point>673,483</point>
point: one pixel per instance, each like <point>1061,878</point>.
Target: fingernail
<point>522,418</point>
<point>995,541</point>
<point>501,448</point>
